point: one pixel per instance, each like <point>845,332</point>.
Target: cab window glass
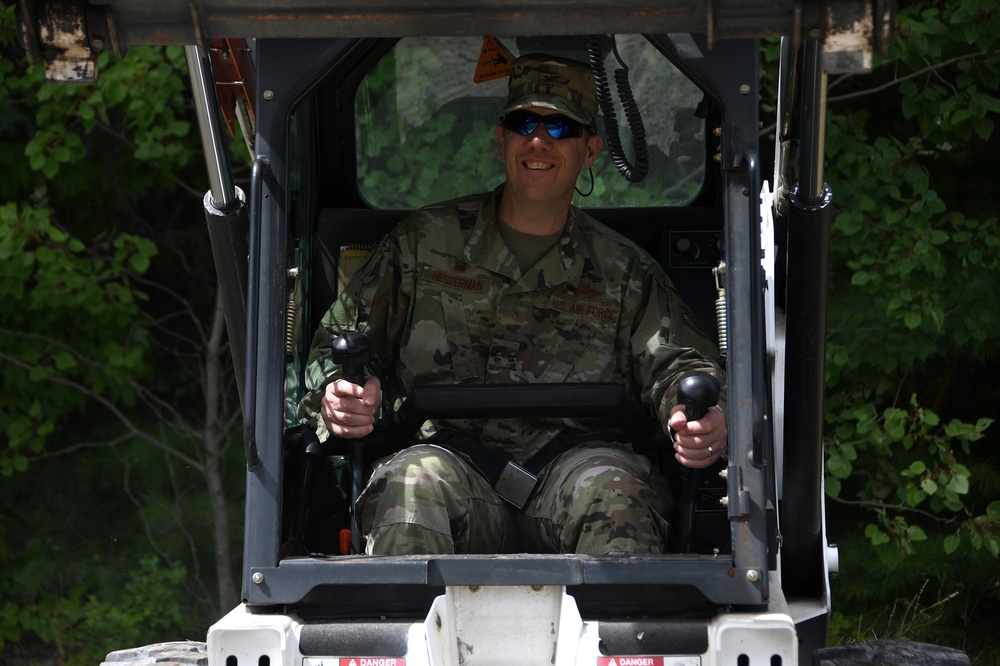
<point>425,128</point>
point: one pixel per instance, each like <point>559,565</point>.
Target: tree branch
<point>121,137</point>
<point>69,450</point>
<point>176,512</point>
<point>111,407</point>
<point>912,75</point>
<point>147,527</point>
<point>153,401</point>
<point>185,308</point>
<point>898,507</point>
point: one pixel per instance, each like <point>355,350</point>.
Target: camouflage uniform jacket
<point>443,302</point>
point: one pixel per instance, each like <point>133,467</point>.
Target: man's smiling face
<point>540,168</point>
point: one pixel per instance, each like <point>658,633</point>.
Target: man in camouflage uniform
<point>517,286</point>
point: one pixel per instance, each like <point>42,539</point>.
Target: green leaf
<point>984,128</point>
<point>64,360</point>
<point>959,485</point>
<point>838,465</point>
<point>139,263</point>
<point>993,510</point>
<point>832,486</point>
<point>927,417</point>
<point>953,504</point>
<point>914,497</point>
<point>951,543</point>
<point>876,536</point>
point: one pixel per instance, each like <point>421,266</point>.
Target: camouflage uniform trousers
<point>597,498</point>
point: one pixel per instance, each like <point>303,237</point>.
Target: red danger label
<point>371,661</point>
<point>627,661</point>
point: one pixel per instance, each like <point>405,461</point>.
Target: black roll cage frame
<point>287,72</point>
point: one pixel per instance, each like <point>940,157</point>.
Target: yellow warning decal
<point>351,256</point>
<point>494,61</point>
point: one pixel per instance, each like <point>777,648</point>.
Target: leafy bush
<point>913,331</point>
<point>79,626</point>
<point>913,282</point>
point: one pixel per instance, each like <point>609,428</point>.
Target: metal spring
<point>722,320</point>
<point>291,313</point>
<point>721,314</point>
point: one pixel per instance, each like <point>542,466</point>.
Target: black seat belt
<point>514,483</point>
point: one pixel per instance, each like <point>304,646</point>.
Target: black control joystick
<point>697,391</point>
<point>352,351</point>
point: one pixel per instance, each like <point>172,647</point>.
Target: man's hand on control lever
<point>348,410</point>
<point>699,443</point>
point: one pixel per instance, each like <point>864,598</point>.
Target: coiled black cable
<point>633,172</point>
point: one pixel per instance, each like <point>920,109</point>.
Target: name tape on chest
<point>461,282</point>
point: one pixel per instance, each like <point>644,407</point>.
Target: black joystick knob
<point>698,391</point>
<point>352,351</point>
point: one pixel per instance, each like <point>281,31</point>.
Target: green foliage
<point>80,625</point>
<point>134,101</point>
<point>97,409</point>
<point>912,462</point>
<point>913,281</point>
<point>912,321</point>
<point>134,114</point>
<point>914,270</point>
<point>903,619</point>
<point>49,357</point>
<point>76,536</point>
<point>71,332</point>
<point>935,597</point>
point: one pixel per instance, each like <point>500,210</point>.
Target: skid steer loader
<point>332,99</point>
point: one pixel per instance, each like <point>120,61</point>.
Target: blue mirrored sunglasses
<point>558,126</point>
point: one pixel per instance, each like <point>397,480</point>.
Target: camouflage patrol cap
<point>551,82</point>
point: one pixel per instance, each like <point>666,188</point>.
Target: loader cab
<point>394,125</point>
<point>354,134</point>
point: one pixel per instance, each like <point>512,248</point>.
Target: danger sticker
<point>371,661</point>
<point>628,661</point>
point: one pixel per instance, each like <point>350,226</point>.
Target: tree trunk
<point>214,436</point>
